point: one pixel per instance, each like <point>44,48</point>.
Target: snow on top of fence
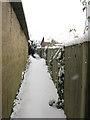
<point>54,47</point>
<point>78,40</point>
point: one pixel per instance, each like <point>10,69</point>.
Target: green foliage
<point>51,65</point>
<point>86,28</point>
<point>85,3</point>
<point>84,9</point>
<point>89,2</point>
<point>60,80</point>
<point>31,48</point>
<point>60,58</point>
<point>88,17</point>
<point>73,30</point>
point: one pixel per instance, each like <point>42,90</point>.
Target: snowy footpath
<point>36,90</point>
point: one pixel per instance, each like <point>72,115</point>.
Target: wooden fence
<point>76,80</point>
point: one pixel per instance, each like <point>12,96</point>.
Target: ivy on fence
<point>59,56</point>
<point>60,81</point>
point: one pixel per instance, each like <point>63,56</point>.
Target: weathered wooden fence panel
<point>77,82</point>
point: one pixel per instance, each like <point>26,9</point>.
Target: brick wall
<point>14,56</point>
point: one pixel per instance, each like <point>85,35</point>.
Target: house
<point>43,43</point>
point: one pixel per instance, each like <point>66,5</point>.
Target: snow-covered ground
<point>36,91</point>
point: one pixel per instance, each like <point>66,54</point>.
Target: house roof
<point>18,9</point>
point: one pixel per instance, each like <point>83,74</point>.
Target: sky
<point>52,19</point>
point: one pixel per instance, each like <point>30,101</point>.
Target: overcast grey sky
<point>53,18</point>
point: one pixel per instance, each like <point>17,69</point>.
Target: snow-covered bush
<point>60,80</point>
<point>31,48</point>
<point>59,56</point>
<point>51,65</point>
<point>55,57</point>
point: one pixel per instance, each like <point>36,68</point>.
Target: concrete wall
<point>77,83</point>
<point>0,60</point>
<point>14,56</point>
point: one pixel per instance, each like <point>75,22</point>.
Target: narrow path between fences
<point>37,89</point>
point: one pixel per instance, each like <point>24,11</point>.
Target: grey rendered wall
<point>14,56</point>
